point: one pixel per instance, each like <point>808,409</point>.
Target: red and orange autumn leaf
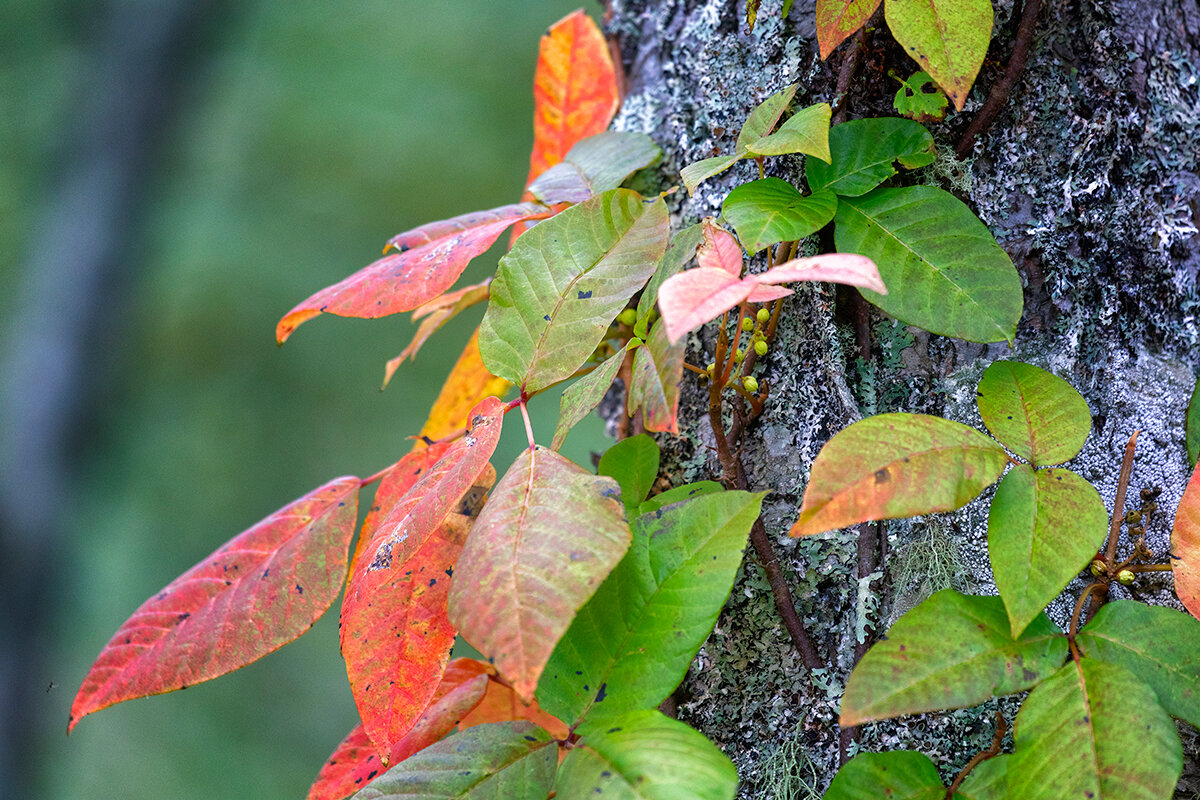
<point>259,591</point>
<point>395,634</point>
<point>654,389</point>
<point>436,313</point>
<point>1185,546</point>
<point>469,383</point>
<point>404,281</point>
<point>575,90</point>
<point>838,19</point>
<point>355,762</point>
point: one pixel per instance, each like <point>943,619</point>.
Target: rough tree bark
<point>1087,177</point>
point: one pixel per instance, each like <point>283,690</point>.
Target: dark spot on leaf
<point>585,295</point>
<point>449,572</point>
<point>613,730</point>
<point>605,774</point>
<point>266,572</point>
<point>530,738</point>
<point>882,476</point>
<point>182,617</point>
<point>546,317</point>
<point>432,581</point>
<point>383,558</point>
<point>603,691</point>
<point>372,774</point>
<point>1010,416</point>
<point>299,589</point>
<point>587,688</point>
<point>229,583</point>
<point>578,672</point>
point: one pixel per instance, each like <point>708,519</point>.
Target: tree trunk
<point>1088,179</point>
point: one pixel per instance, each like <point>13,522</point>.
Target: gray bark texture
<point>1088,179</point>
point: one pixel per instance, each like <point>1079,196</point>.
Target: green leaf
<point>679,494</point>
<point>633,641</point>
<point>763,118</point>
<point>563,283</point>
<point>948,38</point>
<point>898,775</point>
<point>695,174</point>
<point>548,536</point>
<point>1160,645</point>
<point>863,152</point>
<point>633,464</point>
<point>654,389</point>
<point>1044,526</point>
<point>944,271</point>
<point>760,123</point>
<point>920,99</point>
<point>581,397</point>
<point>1035,414</point>
<point>896,465</point>
<point>644,755</point>
<point>1093,730</point>
<point>771,210</point>
<point>806,131</point>
<point>682,250</point>
<point>988,781</point>
<point>595,165</point>
<point>951,651</point>
<point>510,760</point>
<point>1193,426</point>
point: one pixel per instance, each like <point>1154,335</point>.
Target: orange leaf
<point>355,762</point>
<point>468,383</point>
<point>395,634</point>
<point>259,591</point>
<point>405,280</point>
<point>838,19</point>
<point>1185,546</point>
<point>574,90</point>
<point>501,704</point>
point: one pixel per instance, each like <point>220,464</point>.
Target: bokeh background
<point>174,176</point>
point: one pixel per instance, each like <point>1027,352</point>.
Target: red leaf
<point>690,299</point>
<point>847,268</point>
<point>547,538</point>
<point>405,280</point>
<point>837,19</point>
<point>1185,546</point>
<point>395,635</point>
<point>259,591</point>
<point>574,90</point>
<point>719,250</point>
<point>355,762</point>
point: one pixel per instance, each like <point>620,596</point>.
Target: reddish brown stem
<point>846,70</point>
<point>992,751</point>
<point>998,97</point>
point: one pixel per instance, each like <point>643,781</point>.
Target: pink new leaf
<point>436,255</point>
<point>847,268</point>
<point>719,249</point>
<point>689,299</point>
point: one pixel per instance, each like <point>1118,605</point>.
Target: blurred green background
<point>299,137</point>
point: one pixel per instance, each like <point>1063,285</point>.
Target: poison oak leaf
<point>355,762</point>
<point>689,299</point>
<point>1185,546</point>
<point>838,19</point>
<point>575,90</point>
<point>719,249</point>
<point>547,538</point>
<point>433,315</point>
<point>259,591</point>
<point>847,268</point>
<point>405,280</point>
<point>501,704</point>
<point>395,635</point>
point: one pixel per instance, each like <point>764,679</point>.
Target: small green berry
<point>1097,568</point>
<point>763,316</point>
<point>761,348</point>
<point>751,383</point>
<point>747,324</point>
<point>711,368</point>
<point>738,356</point>
<point>627,317</point>
<point>1125,577</point>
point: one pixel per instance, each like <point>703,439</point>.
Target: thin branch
<point>1003,88</point>
<point>846,70</point>
<point>992,751</point>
